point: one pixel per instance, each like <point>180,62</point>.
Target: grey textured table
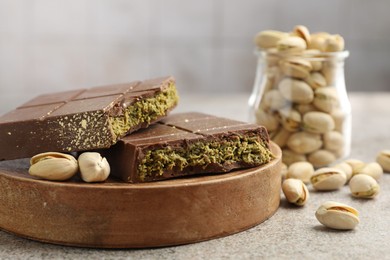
<point>292,233</point>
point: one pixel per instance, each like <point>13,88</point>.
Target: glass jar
<point>302,100</point>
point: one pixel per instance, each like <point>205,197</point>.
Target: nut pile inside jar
<point>300,95</point>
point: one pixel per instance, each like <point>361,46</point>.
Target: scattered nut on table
<point>346,168</point>
<point>300,170</point>
<point>53,166</point>
<point>356,165</point>
<point>372,169</point>
<point>328,179</point>
<point>337,215</point>
<point>363,186</point>
<point>295,191</point>
<point>383,158</point>
<point>93,167</point>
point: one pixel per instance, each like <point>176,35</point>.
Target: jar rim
<point>318,55</point>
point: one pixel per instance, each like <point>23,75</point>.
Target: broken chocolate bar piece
<point>84,119</point>
<point>186,144</point>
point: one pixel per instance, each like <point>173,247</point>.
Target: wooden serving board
<point>121,215</point>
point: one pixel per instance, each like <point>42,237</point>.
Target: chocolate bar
<point>186,144</point>
<point>84,119</point>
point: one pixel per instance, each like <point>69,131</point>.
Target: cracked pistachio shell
<point>274,100</point>
<point>363,186</point>
<point>296,91</point>
<point>356,165</point>
<point>269,38</point>
<point>334,43</point>
<point>321,158</point>
<point>318,41</point>
<point>268,120</point>
<point>337,215</point>
<point>300,170</point>
<point>281,137</point>
<point>328,178</point>
<point>372,169</point>
<point>295,67</point>
<point>383,158</point>
<point>295,191</point>
<point>289,157</point>
<point>333,141</point>
<point>291,44</point>
<point>93,167</point>
<point>303,32</point>
<point>290,119</point>
<point>326,99</point>
<point>318,122</point>
<point>346,168</point>
<point>316,80</point>
<point>53,166</point>
<point>303,142</point>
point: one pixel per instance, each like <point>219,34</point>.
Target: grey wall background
<point>50,45</point>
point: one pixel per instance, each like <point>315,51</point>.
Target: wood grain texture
<point>121,215</point>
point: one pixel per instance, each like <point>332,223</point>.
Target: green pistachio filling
<point>249,150</point>
<point>145,110</point>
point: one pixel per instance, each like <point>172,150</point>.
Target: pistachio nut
<point>333,141</point>
<point>346,168</point>
<point>363,186</point>
<point>93,167</point>
<point>321,158</point>
<point>290,119</point>
<point>383,158</point>
<point>269,38</point>
<point>316,80</point>
<point>337,215</point>
<point>291,44</point>
<point>274,100</point>
<point>283,171</point>
<point>303,32</point>
<point>318,122</point>
<point>316,62</point>
<point>356,165</point>
<point>304,108</point>
<point>272,57</point>
<point>328,178</point>
<point>295,67</point>
<point>372,169</point>
<point>53,166</point>
<point>329,71</point>
<point>318,41</point>
<point>296,91</point>
<point>289,157</point>
<point>300,170</point>
<point>268,120</point>
<point>334,43</point>
<point>326,99</point>
<point>281,136</point>
<point>295,191</point>
<point>339,117</point>
<point>303,142</point>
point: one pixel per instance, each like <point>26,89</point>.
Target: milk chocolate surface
<point>186,144</point>
<point>84,119</point>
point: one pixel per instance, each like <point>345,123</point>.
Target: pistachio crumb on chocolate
<point>144,111</point>
<point>247,150</point>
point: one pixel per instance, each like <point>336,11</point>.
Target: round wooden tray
<point>121,215</point>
